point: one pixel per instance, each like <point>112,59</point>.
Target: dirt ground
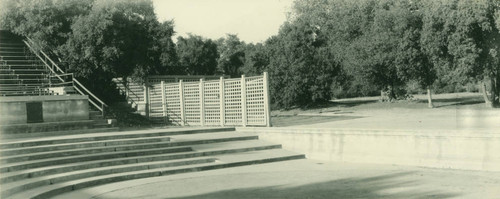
<point>458,112</point>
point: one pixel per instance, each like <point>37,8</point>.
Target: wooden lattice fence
<point>201,102</point>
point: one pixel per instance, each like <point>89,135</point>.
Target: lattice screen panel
<point>212,103</point>
<point>192,108</point>
<point>232,102</point>
<point>255,108</point>
<point>155,103</point>
<point>173,104</point>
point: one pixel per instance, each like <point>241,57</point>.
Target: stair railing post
<point>202,102</point>
<point>146,104</point>
<point>102,108</point>
<point>181,99</point>
<point>222,101</point>
<point>163,101</point>
<point>243,101</point>
<point>267,100</point>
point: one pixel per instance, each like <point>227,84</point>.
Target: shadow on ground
<point>459,101</point>
<point>345,104</point>
<point>383,186</point>
<point>293,120</point>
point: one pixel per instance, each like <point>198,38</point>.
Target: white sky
<point>252,20</point>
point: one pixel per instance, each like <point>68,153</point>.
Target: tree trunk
<point>485,95</point>
<point>429,98</point>
<point>383,96</point>
<point>494,92</point>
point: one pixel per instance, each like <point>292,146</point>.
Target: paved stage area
<point>306,179</point>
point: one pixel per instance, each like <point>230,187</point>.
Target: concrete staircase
<point>46,167</point>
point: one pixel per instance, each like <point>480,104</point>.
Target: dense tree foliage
<point>47,22</point>
<point>302,67</point>
<point>197,56</point>
<point>387,44</point>
<point>231,55</point>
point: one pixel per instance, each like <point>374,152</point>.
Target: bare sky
<point>252,20</point>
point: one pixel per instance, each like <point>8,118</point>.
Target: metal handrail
<point>41,59</point>
<point>127,90</point>
<point>74,80</point>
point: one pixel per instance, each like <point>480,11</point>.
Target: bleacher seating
<point>21,72</point>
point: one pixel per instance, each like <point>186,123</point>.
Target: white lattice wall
<point>255,101</point>
<point>212,103</point>
<point>173,104</point>
<point>232,102</point>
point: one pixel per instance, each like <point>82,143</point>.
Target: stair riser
<point>82,145</point>
<point>102,138</point>
<point>91,158</point>
<point>44,182</point>
<point>14,49</point>
<point>10,53</point>
<point>18,57</point>
<point>134,160</point>
<point>120,148</point>
<point>24,73</point>
<point>92,183</point>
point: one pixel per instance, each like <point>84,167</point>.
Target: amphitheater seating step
<point>45,167</point>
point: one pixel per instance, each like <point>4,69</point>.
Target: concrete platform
<point>306,179</point>
<point>441,138</point>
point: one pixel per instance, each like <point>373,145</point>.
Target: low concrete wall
<point>456,150</point>
<point>55,108</point>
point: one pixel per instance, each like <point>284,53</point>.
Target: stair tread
<point>11,185</point>
<point>197,149</point>
<point>98,135</point>
<point>96,143</point>
<point>105,149</point>
<point>79,157</point>
<point>137,163</point>
<point>245,158</point>
<point>109,150</point>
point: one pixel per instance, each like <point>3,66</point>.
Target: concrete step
<point>7,138</point>
<point>18,57</point>
<point>102,156</point>
<point>107,149</point>
<point>88,137</point>
<point>11,43</point>
<point>38,149</point>
<point>142,163</point>
<point>31,183</point>
<point>199,151</point>
<point>63,157</point>
<point>224,161</point>
<point>21,130</point>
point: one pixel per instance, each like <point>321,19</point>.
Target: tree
<point>302,68</point>
<point>411,61</point>
<point>463,38</point>
<point>231,55</point>
<point>256,59</point>
<point>47,22</point>
<point>121,40</point>
<point>197,56</point>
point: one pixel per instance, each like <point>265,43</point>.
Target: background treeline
<point>326,49</point>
